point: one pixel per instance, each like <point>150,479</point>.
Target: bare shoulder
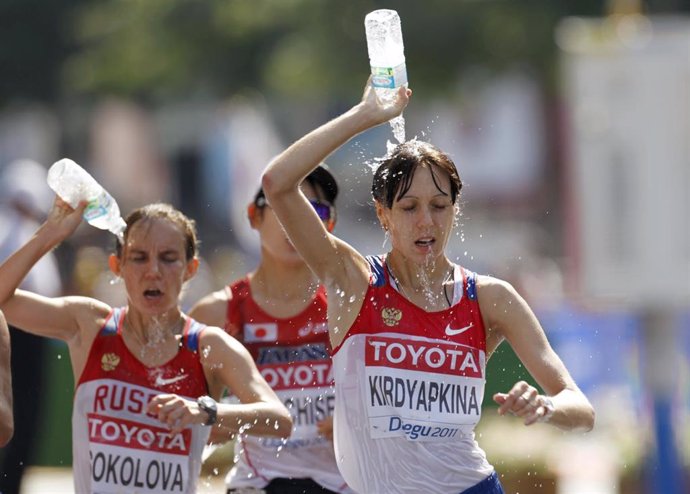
<point>217,344</point>
<point>501,305</point>
<point>212,308</point>
<point>494,290</point>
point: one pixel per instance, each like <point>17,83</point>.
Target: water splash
<point>157,333</point>
<point>114,280</point>
<point>398,126</point>
<point>425,281</point>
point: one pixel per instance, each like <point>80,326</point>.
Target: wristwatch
<point>208,405</point>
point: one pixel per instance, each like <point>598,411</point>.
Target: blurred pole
<point>660,371</point>
<point>626,80</point>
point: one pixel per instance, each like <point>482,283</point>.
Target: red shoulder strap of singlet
<point>238,292</point>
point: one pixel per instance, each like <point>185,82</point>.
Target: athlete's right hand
<point>63,219</point>
<point>380,112</point>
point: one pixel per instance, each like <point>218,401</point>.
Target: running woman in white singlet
<point>279,312</point>
<point>146,375</point>
<point>411,332</point>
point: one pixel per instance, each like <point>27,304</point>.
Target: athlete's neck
<point>415,276</point>
<point>429,286</point>
<point>146,328</point>
<point>283,290</point>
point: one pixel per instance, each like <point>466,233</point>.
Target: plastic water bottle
<point>74,184</point>
<point>387,60</point>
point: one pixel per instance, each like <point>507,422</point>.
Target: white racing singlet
<point>410,385</point>
<point>117,446</point>
<point>292,354</point>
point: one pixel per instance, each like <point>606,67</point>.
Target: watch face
<point>209,405</point>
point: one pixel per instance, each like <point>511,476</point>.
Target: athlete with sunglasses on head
<point>279,312</point>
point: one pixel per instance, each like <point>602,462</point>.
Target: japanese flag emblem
<point>255,333</point>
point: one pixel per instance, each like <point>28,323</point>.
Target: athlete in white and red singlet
<point>117,445</point>
<point>292,354</point>
<point>278,311</point>
<point>415,379</point>
<point>145,375</point>
<point>409,362</point>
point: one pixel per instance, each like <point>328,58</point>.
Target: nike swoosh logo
<point>453,332</point>
<point>167,382</point>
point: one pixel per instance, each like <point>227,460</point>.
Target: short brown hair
<point>160,210</point>
<point>393,177</point>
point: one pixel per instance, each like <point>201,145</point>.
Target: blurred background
<point>569,122</point>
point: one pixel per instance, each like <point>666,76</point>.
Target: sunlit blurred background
<point>569,121</point>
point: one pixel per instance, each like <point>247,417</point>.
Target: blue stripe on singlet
<point>490,485</point>
<point>377,271</point>
<point>471,286</point>
<point>192,339</point>
<point>110,326</point>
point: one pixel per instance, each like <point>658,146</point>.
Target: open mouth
<point>425,242</point>
<point>152,293</point>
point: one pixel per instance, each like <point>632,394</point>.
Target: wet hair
<point>393,177</point>
<point>163,211</point>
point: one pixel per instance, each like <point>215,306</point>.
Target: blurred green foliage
<point>157,50</point>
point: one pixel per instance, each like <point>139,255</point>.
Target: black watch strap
<point>208,405</point>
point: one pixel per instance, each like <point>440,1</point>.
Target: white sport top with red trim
<point>117,447</point>
<point>409,386</point>
<point>292,354</point>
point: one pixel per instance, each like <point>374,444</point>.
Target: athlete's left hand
<point>176,412</point>
<point>523,401</point>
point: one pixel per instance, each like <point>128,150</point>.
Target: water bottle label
<point>97,208</point>
<point>389,77</point>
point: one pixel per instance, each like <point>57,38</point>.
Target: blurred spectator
<point>126,155</point>
<point>24,200</point>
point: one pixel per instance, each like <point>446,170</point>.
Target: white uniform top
<point>409,387</point>
<point>292,355</point>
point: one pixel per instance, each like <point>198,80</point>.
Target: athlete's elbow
<point>274,184</point>
<point>269,182</point>
<point>589,419</point>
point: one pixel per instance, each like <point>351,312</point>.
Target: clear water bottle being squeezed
<point>387,60</point>
<point>74,184</point>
